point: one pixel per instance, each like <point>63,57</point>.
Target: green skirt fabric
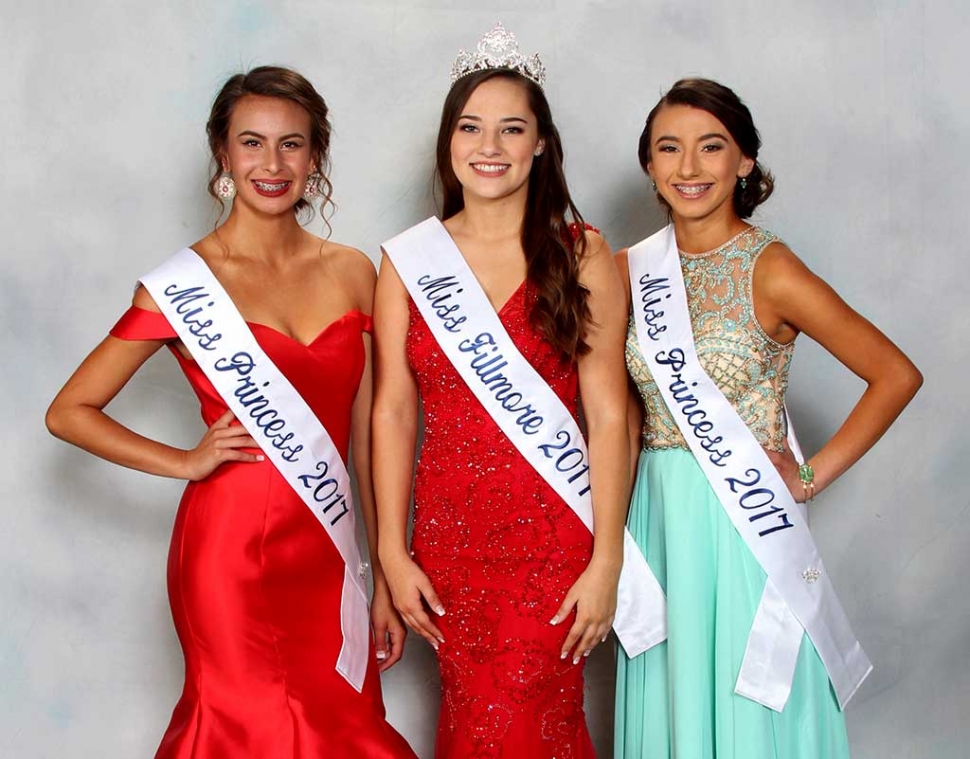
<point>677,700</point>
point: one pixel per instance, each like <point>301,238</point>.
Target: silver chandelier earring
<point>225,187</point>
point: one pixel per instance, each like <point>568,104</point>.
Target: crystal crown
<point>498,49</point>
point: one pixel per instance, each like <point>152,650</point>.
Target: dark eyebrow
<point>506,120</point>
<point>671,138</point>
<point>257,135</point>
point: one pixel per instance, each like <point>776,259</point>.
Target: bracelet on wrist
<point>807,476</point>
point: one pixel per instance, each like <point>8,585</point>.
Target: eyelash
<point>472,128</point>
<point>289,144</point>
<point>709,148</point>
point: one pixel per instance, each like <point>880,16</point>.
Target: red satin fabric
<point>501,549</point>
<point>254,583</point>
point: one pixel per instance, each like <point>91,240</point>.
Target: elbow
<point>909,379</point>
<point>54,419</point>
<point>914,380</point>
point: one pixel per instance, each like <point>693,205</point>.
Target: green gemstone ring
<point>806,474</point>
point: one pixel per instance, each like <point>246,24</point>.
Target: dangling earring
<point>538,152</point>
<point>654,183</point>
<point>225,187</point>
<point>311,189</point>
<point>744,183</point>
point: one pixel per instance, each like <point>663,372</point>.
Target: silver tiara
<point>498,50</point>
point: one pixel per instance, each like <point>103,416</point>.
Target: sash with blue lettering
<point>798,596</point>
<point>284,426</point>
<point>525,408</point>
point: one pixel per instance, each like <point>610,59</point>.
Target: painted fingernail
<point>604,639</point>
<point>440,610</point>
<point>381,655</point>
<point>576,660</point>
<point>554,620</point>
<point>260,458</point>
<point>564,654</point>
<point>587,653</point>
<point>441,639</point>
<point>434,645</point>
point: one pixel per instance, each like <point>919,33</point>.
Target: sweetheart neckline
<point>316,339</point>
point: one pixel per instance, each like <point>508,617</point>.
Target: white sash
<point>798,594</point>
<point>526,409</point>
<point>278,419</point>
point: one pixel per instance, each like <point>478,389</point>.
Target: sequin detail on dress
<point>748,366</point>
<point>501,549</point>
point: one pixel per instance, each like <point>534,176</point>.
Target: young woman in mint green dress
<point>749,297</point>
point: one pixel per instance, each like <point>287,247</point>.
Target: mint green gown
<point>677,700</point>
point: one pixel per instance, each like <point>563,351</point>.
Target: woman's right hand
<point>413,595</point>
<point>220,443</point>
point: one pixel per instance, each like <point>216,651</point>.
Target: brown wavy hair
<point>274,82</point>
<point>552,252</point>
<point>726,107</point>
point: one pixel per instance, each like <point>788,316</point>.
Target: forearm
<point>90,428</point>
<point>609,470</point>
<point>394,436</point>
<point>876,410</point>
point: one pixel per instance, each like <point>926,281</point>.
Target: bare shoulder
<point>355,271</point>
<point>596,244</point>
<point>352,262</point>
<point>778,270</point>
<point>597,255</point>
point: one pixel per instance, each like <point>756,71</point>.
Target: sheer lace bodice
<point>748,366</point>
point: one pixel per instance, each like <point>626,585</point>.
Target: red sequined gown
<point>254,583</point>
<point>501,549</point>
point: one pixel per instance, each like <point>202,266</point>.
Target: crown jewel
<point>498,49</point>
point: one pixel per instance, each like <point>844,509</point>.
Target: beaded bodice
<point>748,366</point>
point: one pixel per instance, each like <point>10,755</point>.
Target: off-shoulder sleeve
<point>140,324</point>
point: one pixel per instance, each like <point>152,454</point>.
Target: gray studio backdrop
<point>864,114</point>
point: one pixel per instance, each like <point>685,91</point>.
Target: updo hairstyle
<point>726,107</point>
<point>274,82</point>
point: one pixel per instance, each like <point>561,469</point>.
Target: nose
<point>688,165</point>
<point>271,161</point>
<point>490,144</point>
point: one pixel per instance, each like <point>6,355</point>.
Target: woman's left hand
<point>593,596</point>
<point>787,467</point>
<point>389,630</point>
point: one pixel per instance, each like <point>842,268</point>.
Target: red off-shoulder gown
<point>254,583</point>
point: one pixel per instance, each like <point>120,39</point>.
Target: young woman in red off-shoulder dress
<point>254,580</point>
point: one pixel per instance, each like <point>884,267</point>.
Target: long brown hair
<point>274,82</point>
<point>552,252</point>
<point>726,107</point>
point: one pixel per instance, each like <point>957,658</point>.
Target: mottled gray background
<point>864,112</point>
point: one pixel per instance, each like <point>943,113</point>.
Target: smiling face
<point>495,141</point>
<point>268,153</point>
<point>695,163</point>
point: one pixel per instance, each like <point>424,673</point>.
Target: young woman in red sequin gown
<point>503,579</point>
<point>254,579</point>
